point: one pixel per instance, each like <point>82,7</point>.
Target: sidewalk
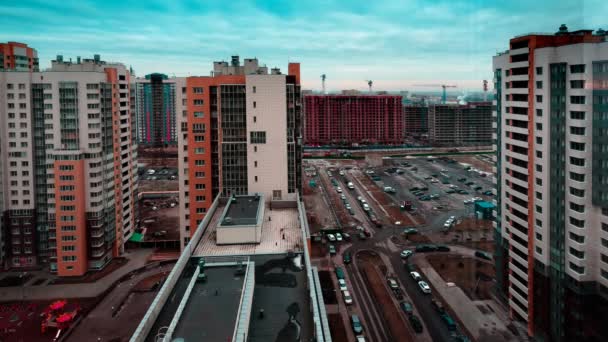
<point>137,259</point>
<point>481,325</point>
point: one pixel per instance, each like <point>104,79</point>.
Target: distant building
<point>18,57</point>
<point>416,121</point>
<point>157,109</point>
<point>460,125</point>
<point>241,134</point>
<point>68,165</point>
<point>345,120</point>
<point>551,109</point>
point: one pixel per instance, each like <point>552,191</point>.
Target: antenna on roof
<point>370,83</point>
<point>323,83</point>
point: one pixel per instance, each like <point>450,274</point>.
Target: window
<point>538,250</point>
<point>198,102</point>
<point>254,89</point>
<point>539,168</point>
<point>197,90</point>
<point>539,126</point>
<point>579,177</point>
<point>66,167</point>
<point>539,84</point>
<point>255,119</point>
<point>577,68</point>
<point>577,192</point>
<point>199,150</point>
<point>539,154</point>
<point>577,84</point>
<point>577,207</point>
<point>576,115</point>
<point>200,198</point>
<point>68,258</point>
<point>200,210</point>
<point>254,104</point>
<point>576,268</point>
<point>576,222</point>
<point>256,178</point>
<point>199,174</point>
<point>539,70</point>
<point>255,163</point>
<point>604,242</point>
<point>539,195</point>
<point>539,209</point>
<point>539,223</point>
<point>577,130</point>
<point>539,98</point>
<point>258,137</point>
<point>539,112</point>
<point>199,162</point>
<point>577,161</point>
<point>199,115</point>
<point>255,148</point>
<point>577,99</point>
<point>539,182</point>
<point>577,146</point>
<point>68,248</point>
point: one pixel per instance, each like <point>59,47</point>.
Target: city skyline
<point>396,44</point>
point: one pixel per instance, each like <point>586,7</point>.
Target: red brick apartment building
<point>353,119</point>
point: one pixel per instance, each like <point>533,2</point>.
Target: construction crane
<point>323,82</point>
<point>443,86</point>
<point>369,83</point>
<point>485,90</point>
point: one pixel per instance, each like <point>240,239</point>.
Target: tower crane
<point>443,86</point>
<point>323,82</point>
<point>369,83</point>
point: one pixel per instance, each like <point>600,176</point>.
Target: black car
<point>483,255</point>
<point>426,248</point>
<point>407,308</point>
<point>443,248</point>
<point>415,322</point>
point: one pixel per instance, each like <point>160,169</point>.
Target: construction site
<point>460,124</point>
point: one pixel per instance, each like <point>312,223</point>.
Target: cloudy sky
<point>396,43</point>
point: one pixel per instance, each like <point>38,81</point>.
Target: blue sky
<point>396,43</point>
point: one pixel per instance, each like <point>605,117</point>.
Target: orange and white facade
<point>240,134</point>
<point>67,140</point>
<point>18,57</point>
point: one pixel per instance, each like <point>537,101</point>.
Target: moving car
<point>342,197</point>
<point>347,258</point>
<point>342,284</point>
<point>389,189</point>
<point>339,190</point>
<point>406,253</point>
<point>332,250</point>
<point>416,276</point>
<point>392,283</point>
<point>407,308</point>
<point>424,287</point>
<point>347,298</point>
<point>356,323</point>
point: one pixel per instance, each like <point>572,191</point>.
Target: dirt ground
<point>469,232</point>
<point>474,161</point>
<point>474,277</point>
<point>371,265</point>
<point>92,277</point>
<point>157,157</point>
<point>337,328</point>
<point>164,220</point>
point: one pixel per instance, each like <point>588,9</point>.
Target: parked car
<point>410,231</point>
<point>462,180</point>
<point>339,190</point>
<point>347,258</point>
<point>443,248</point>
<point>424,287</point>
<point>414,189</point>
<point>415,275</point>
<point>434,196</point>
<point>339,272</point>
<point>406,253</point>
<point>463,192</point>
<point>342,197</point>
<point>356,323</point>
<point>450,191</point>
<point>347,297</point>
<point>332,250</point>
<point>346,236</point>
<point>392,283</point>
<point>350,185</point>
<point>331,237</point>
<point>426,248</point>
<point>407,308</point>
<point>342,284</point>
<point>338,237</point>
<point>360,338</point>
<point>341,172</point>
<point>415,323</point>
<point>449,321</point>
<point>488,193</point>
<point>362,236</point>
<point>483,255</point>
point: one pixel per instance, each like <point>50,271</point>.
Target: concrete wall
<point>238,234</point>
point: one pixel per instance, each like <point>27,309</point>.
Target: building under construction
<point>348,120</point>
<point>460,124</point>
<point>416,121</point>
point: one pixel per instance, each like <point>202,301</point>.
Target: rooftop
<point>281,233</point>
<point>241,210</point>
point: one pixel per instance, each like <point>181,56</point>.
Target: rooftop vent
<point>227,220</point>
<point>563,29</point>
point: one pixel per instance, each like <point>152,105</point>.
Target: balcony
<point>96,233</point>
<point>97,253</point>
<point>97,243</point>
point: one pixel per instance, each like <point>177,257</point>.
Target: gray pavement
<point>137,259</point>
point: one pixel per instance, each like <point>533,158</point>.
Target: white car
<point>416,276</point>
<point>341,172</point>
<point>424,287</point>
<point>342,284</point>
<point>453,218</point>
<point>434,180</point>
<point>339,190</point>
<point>331,237</point>
<point>468,201</point>
<point>347,298</point>
<point>406,253</point>
<point>360,338</point>
<point>359,198</point>
<point>370,172</point>
<point>365,207</point>
<point>347,206</point>
<point>338,236</point>
<point>350,185</point>
<point>392,283</point>
<point>342,197</point>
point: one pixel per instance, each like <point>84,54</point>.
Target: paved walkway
<point>137,259</point>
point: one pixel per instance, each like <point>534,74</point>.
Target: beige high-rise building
<point>69,176</point>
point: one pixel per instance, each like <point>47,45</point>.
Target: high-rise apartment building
<point>353,119</point>
<point>551,109</point>
<point>18,57</point>
<point>416,120</point>
<point>68,165</point>
<point>460,124</point>
<point>240,135</point>
<point>156,109</point>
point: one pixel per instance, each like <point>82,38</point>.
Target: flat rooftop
<point>241,210</point>
<point>281,233</point>
<point>211,311</point>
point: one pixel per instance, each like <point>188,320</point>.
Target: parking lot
<point>375,205</point>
